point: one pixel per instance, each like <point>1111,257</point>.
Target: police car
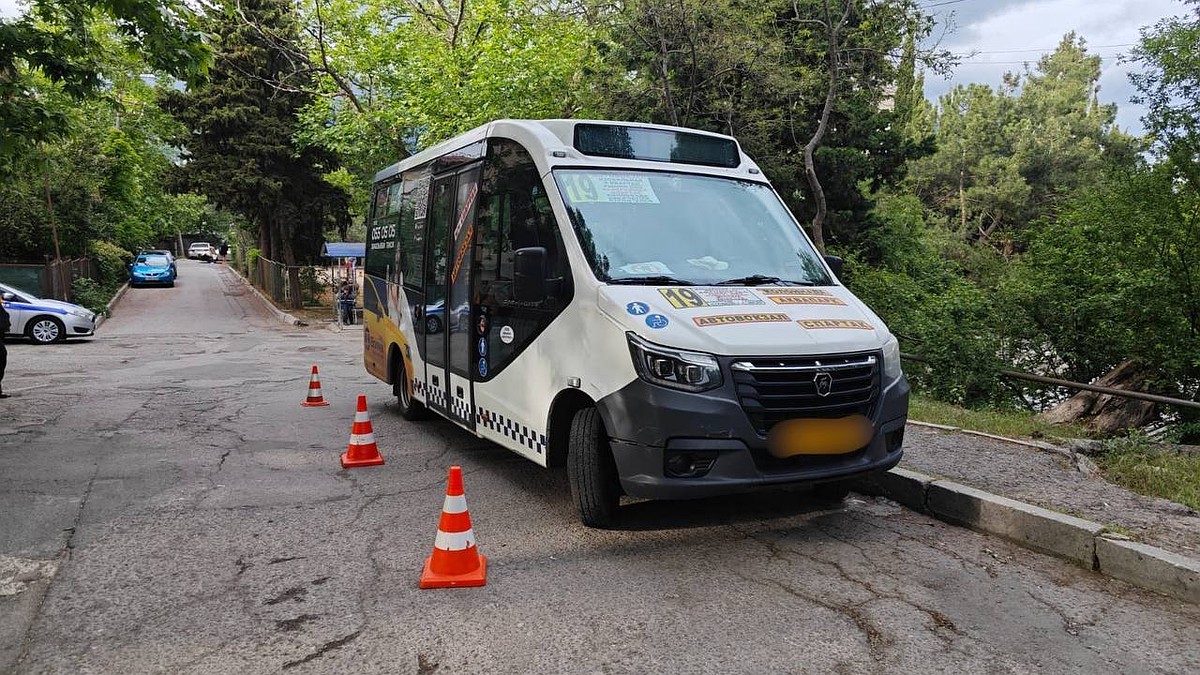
<point>45,321</point>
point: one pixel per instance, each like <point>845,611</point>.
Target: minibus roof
<point>552,143</point>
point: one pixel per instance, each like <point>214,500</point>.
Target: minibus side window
<point>514,213</point>
<point>381,238</point>
<point>410,250</point>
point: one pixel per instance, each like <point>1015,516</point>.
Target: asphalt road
<point>166,505</point>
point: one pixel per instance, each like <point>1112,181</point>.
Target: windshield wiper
<point>760,280</point>
<point>655,279</point>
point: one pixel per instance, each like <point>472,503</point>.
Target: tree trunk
<point>1109,414</point>
<point>810,170</point>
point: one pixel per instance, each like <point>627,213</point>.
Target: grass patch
<point>1135,463</point>
<point>1000,422</point>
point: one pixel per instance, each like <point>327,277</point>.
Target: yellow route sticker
<point>793,291</point>
<point>729,319</point>
<point>685,298</point>
<point>805,300</point>
<point>851,324</point>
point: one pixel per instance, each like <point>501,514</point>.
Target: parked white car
<point>202,250</point>
<point>45,321</point>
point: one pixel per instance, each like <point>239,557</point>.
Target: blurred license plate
<point>819,436</point>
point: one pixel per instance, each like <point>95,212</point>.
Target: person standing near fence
<point>346,299</point>
<point>5,325</point>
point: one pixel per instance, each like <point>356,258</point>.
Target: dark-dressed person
<point>5,325</point>
<point>346,298</point>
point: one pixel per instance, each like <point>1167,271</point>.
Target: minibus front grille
<point>772,390</point>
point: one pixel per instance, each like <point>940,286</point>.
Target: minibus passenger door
<point>433,319</point>
<point>448,305</point>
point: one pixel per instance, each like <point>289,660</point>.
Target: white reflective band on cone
<point>454,541</point>
<point>455,504</point>
<point>362,439</point>
<point>361,417</point>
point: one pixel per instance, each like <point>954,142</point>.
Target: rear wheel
<point>591,470</point>
<point>45,329</point>
<point>433,325</point>
<point>411,410</point>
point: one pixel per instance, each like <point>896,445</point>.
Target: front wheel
<point>45,329</point>
<point>433,325</point>
<point>591,471</point>
<point>411,410</point>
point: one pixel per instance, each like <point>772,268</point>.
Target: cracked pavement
<point>170,507</point>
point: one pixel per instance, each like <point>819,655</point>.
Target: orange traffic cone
<point>314,391</point>
<point>455,560</point>
<point>362,450</point>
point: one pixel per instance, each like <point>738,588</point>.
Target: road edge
<point>109,307</point>
<point>1088,544</point>
<point>279,313</point>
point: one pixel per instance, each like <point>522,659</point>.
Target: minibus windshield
<point>666,228</point>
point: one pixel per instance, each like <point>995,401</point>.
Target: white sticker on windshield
<point>609,189</point>
<point>652,267</point>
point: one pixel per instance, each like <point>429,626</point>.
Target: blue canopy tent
<point>349,256</point>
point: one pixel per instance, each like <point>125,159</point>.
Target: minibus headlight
<point>891,358</point>
<point>689,371</point>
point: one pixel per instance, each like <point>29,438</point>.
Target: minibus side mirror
<point>835,263</point>
<point>529,274</point>
<point>6,296</point>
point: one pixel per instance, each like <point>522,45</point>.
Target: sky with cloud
<point>1004,34</point>
<point>1001,35</point>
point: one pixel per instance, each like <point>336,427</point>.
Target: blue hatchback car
<point>151,269</point>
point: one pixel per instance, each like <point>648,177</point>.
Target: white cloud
<point>10,9</point>
<point>994,33</point>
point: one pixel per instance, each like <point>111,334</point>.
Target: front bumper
<point>647,423</point>
<point>165,278</point>
<point>79,326</point>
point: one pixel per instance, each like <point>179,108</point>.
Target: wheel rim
<point>431,326</point>
<point>45,331</point>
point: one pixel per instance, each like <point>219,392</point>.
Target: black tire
<point>433,325</point>
<point>46,329</point>
<point>591,471</point>
<point>835,491</point>
<point>411,410</point>
<point>171,285</point>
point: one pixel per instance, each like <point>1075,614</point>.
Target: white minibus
<point>632,301</point>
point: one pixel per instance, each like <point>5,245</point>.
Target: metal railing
<point>1067,384</point>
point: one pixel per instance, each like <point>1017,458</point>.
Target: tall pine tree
<point>240,151</point>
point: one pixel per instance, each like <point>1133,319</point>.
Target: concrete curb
<point>1081,541</point>
<point>279,313</point>
<point>111,303</point>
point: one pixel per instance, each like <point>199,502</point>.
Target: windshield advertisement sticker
<point>607,188</point>
<point>805,300</point>
<point>851,324</point>
<point>728,319</point>
<point>684,298</point>
<point>652,267</point>
<point>793,291</point>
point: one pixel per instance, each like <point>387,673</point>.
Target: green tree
<point>395,77</point>
<point>239,148</point>
<point>64,44</point>
<point>1169,86</point>
<point>803,85</point>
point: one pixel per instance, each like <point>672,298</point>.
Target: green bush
<point>90,294</point>
<point>252,256</point>
<point>311,286</point>
<point>113,263</point>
